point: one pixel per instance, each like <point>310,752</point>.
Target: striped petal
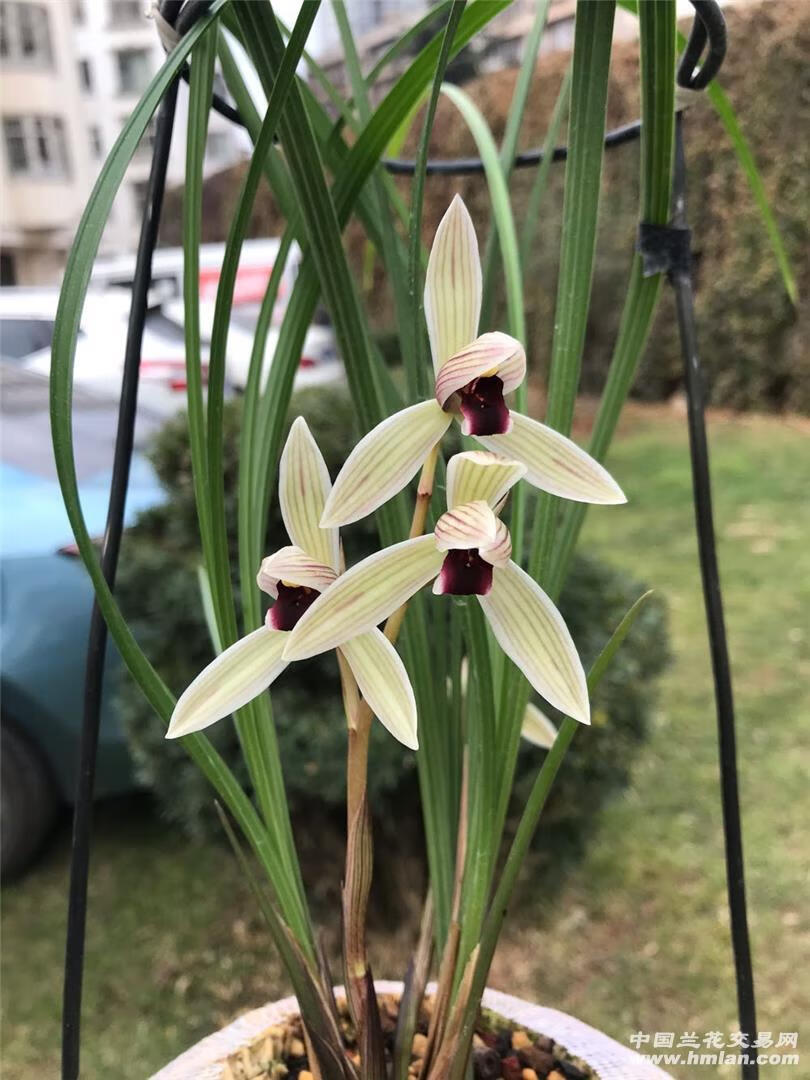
<point>471,525</point>
<point>537,728</point>
<point>296,566</point>
<point>477,474</point>
<point>531,631</point>
<point>236,677</point>
<point>364,596</point>
<point>555,463</point>
<point>499,551</point>
<point>453,284</point>
<point>303,488</point>
<point>384,461</point>
<point>490,354</point>
<point>384,683</point>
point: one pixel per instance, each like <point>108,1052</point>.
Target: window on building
<point>126,12</point>
<point>86,76</point>
<point>140,190</point>
<point>36,146</point>
<point>96,140</point>
<point>146,145</point>
<point>25,35</point>
<point>134,70</point>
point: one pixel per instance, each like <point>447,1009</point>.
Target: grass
<point>636,938</point>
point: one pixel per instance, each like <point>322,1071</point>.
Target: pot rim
<point>610,1060</point>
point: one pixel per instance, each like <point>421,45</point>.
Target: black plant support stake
<point>680,277</point>
<point>97,639</point>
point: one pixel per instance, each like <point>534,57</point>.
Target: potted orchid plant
<point>320,604</point>
<point>449,670</point>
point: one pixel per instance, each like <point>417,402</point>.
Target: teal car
<point>45,604</point>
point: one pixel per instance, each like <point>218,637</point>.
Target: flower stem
<point>358,847</point>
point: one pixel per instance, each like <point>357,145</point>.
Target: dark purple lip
<point>292,602</point>
<point>465,573</point>
<point>483,407</point>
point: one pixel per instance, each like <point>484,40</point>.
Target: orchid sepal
<point>531,631</point>
<point>234,678</point>
<point>555,463</point>
<point>364,596</point>
<point>384,461</point>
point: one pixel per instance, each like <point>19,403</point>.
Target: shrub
<point>158,590</point>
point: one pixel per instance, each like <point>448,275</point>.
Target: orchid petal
<point>384,461</point>
<point>296,566</point>
<point>384,683</point>
<point>471,525</point>
<point>478,474</point>
<point>531,631</point>
<point>555,463</point>
<point>236,677</point>
<point>303,488</point>
<point>490,354</point>
<point>364,596</point>
<point>499,551</point>
<point>537,728</point>
<point>453,284</point>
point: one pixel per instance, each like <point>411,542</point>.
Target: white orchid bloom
<point>472,376</point>
<point>468,554</point>
<point>295,577</point>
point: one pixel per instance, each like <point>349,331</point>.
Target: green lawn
<point>637,936</point>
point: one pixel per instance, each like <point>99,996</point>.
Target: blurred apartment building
<point>71,71</point>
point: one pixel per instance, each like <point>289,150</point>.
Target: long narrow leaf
<point>526,829</point>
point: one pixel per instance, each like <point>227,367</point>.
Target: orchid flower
<point>294,577</point>
<point>472,376</point>
<point>468,554</point>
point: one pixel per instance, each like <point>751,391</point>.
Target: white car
<point>26,335</point>
<point>318,364</point>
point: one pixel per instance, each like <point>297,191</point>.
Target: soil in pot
<point>502,1050</point>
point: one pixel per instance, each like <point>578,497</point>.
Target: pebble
<point>486,1064</point>
<point>511,1068</point>
<point>520,1040</point>
<point>305,1074</point>
<point>555,1076</point>
<point>529,1074</point>
<point>419,1045</point>
<point>534,1058</point>
<point>297,1048</point>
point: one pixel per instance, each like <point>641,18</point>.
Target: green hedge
<point>158,590</point>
